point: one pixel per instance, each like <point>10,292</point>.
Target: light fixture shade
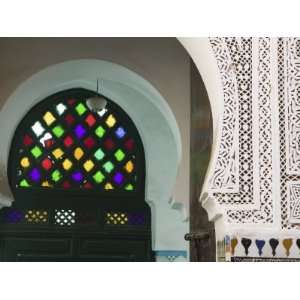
<point>96,103</point>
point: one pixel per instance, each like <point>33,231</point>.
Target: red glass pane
<point>129,144</point>
<point>49,143</point>
<point>89,142</point>
<point>27,140</point>
<point>109,144</point>
<point>90,120</point>
<point>87,185</point>
<point>68,141</point>
<point>47,164</point>
<point>71,101</point>
<point>69,119</point>
<point>66,185</point>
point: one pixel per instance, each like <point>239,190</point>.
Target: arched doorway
<point>78,180</point>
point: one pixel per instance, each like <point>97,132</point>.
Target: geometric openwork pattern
<point>27,216</point>
<point>232,182</point>
<point>36,216</point>
<point>294,198</point>
<point>61,143</point>
<point>288,92</point>
<point>64,217</point>
<point>122,218</point>
<point>115,218</point>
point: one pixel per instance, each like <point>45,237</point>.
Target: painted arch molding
<point>145,106</point>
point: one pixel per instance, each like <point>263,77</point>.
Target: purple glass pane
<point>136,219</point>
<point>118,178</point>
<point>77,176</point>
<point>80,131</point>
<point>35,174</point>
<point>14,216</point>
<point>120,132</point>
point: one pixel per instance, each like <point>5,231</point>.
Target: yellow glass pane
<point>129,166</point>
<point>78,153</point>
<point>46,184</point>
<point>25,163</point>
<point>58,153</point>
<point>88,165</point>
<point>49,118</point>
<point>108,186</point>
<point>111,121</point>
<point>67,164</point>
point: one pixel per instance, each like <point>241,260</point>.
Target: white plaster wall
<point>268,90</point>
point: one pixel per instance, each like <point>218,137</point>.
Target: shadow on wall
<point>202,247</point>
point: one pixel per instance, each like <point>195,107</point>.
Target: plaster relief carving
<point>252,67</point>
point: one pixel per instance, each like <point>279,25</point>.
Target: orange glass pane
<point>78,153</point>
<point>129,166</point>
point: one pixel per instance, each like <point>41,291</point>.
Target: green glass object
<point>108,166</point>
<point>58,131</point>
<point>99,154</point>
<point>100,131</point>
<point>98,177</point>
<point>24,183</point>
<point>129,187</point>
<point>119,154</point>
<point>36,151</point>
<point>56,175</point>
<point>80,108</point>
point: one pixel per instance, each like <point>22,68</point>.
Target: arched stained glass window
<point>62,144</point>
<point>78,179</point>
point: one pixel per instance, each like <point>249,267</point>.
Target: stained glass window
<point>63,144</point>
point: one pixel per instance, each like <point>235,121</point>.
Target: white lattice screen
<point>256,177</point>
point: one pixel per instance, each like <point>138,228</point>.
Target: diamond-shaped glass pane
<point>36,152</point>
<point>88,165</point>
<point>38,129</point>
<point>98,177</point>
<point>58,131</point>
<point>99,154</point>
<point>81,109</point>
<point>108,166</point>
<point>119,154</point>
<point>49,118</point>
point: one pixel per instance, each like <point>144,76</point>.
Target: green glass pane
<point>24,183</point>
<point>98,177</point>
<point>56,175</point>
<point>108,166</point>
<point>119,154</point>
<point>99,154</point>
<point>36,151</point>
<point>58,131</point>
<point>129,187</point>
<point>80,108</point>
<point>100,131</point>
